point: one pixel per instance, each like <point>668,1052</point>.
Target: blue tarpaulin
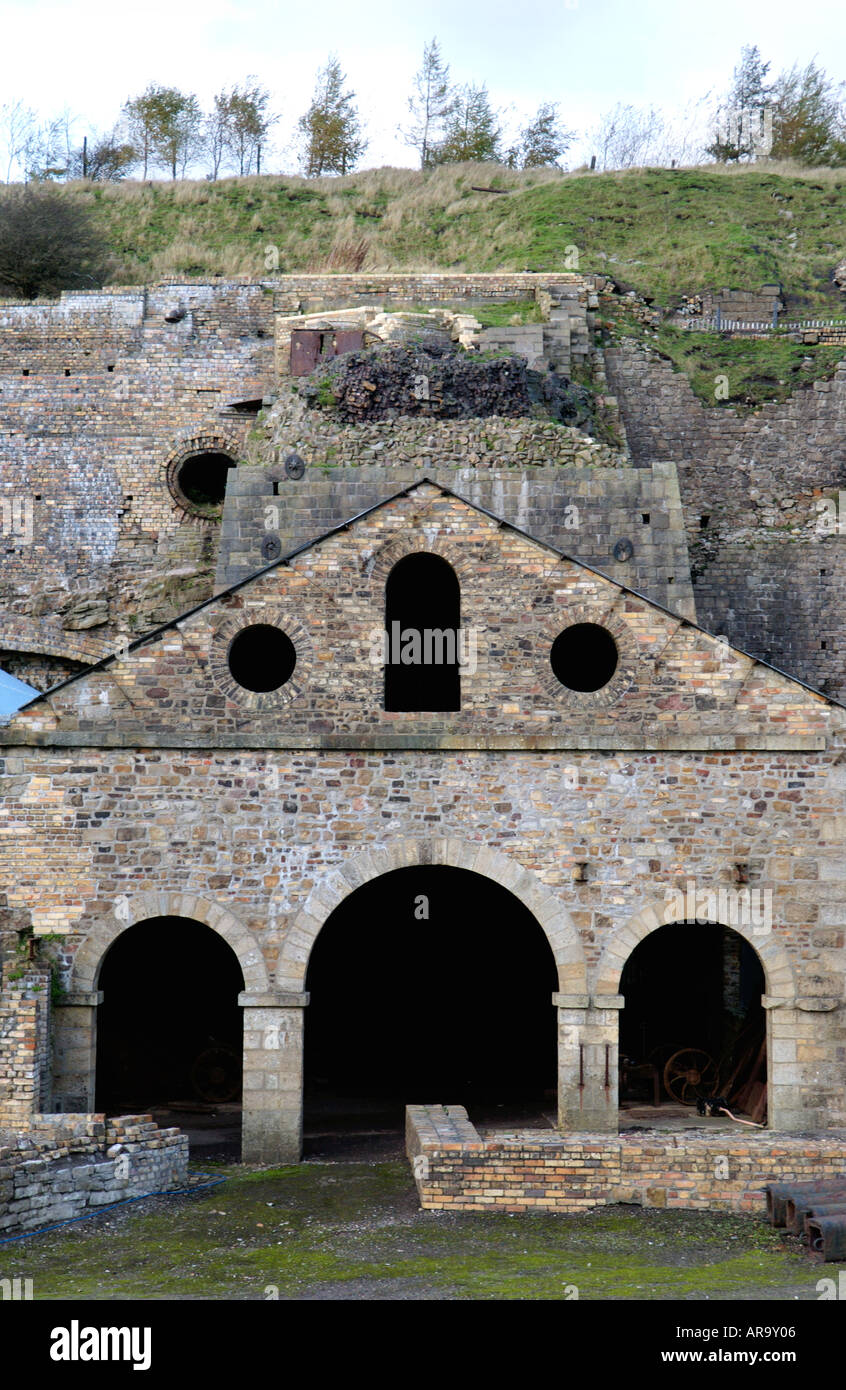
<point>13,693</point>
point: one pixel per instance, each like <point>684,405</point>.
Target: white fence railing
<point>724,325</point>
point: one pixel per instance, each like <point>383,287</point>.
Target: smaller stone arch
<point>659,912</point>
<point>128,911</point>
<point>551,914</point>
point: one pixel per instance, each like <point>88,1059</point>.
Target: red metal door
<point>305,350</point>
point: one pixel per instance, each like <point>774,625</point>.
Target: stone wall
<point>764,572</point>
<point>546,479</point>
<point>67,1166</point>
<point>311,292</point>
<point>456,1170</point>
<point>262,845</point>
<point>102,393</point>
<point>516,597</point>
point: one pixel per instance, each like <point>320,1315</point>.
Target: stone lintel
<point>273,1001</point>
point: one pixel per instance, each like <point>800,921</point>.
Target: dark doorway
<point>169,1030</point>
<point>422,621</point>
<point>453,1009</point>
<point>693,1012</point>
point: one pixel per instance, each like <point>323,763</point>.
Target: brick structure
<point>456,1170</point>
<point>166,783</point>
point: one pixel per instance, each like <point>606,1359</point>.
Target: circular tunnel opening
<point>201,479</point>
<point>693,1027</point>
<point>430,984</point>
<point>169,1029</point>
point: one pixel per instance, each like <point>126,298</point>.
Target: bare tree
<point>629,136</point>
<point>18,124</point>
<point>432,102</point>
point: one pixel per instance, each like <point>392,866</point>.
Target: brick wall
<point>25,1061</point>
<point>456,1170</point>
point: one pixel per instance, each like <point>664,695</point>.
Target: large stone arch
<point>139,907</point>
<point>660,912</point>
<point>549,911</point>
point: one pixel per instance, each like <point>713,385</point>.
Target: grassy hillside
<point>661,232</point>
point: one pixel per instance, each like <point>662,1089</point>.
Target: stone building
<point>250,828</point>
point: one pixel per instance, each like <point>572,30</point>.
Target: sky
<point>89,56</point>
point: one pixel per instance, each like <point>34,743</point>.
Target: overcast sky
<point>90,55</point>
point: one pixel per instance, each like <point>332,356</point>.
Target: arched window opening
<point>422,635</point>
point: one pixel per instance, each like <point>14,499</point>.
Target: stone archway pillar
<point>272,1126</point>
<point>800,1041</point>
<point>587,1062</point>
<point>75,1052</point>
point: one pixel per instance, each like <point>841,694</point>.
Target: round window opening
<point>584,657</point>
<point>261,658</point>
<point>201,479</point>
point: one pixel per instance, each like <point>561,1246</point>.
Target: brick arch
<point>416,542</point>
<point>551,914</point>
<point>128,911</point>
<point>43,638</point>
<point>778,971</point>
<point>215,440</point>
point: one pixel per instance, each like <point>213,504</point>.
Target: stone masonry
<point>153,784</point>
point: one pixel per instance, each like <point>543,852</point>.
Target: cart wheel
<point>214,1075</point>
<point>689,1074</point>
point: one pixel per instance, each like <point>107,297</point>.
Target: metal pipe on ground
<point>827,1238</point>
<point>831,1208</point>
<point>799,1205</point>
<point>777,1193</point>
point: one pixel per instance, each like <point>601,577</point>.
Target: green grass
<point>662,232</point>
<point>756,370</point>
<point>355,1230</point>
<point>512,314</point>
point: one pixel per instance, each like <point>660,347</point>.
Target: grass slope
<point>662,232</point>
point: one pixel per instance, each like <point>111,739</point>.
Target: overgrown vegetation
<point>662,232</point>
<point>735,372</point>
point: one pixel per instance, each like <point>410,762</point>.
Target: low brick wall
<point>68,1165</point>
<point>455,1169</point>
